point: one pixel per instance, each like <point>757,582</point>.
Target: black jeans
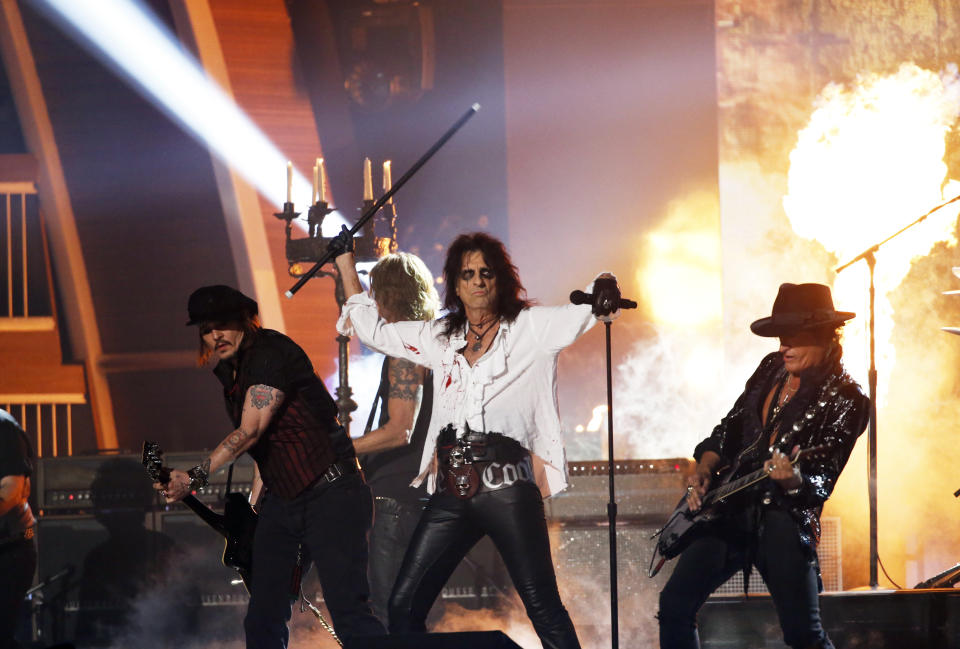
<point>449,527</point>
<point>17,563</point>
<point>331,521</point>
<point>393,525</point>
<point>785,565</point>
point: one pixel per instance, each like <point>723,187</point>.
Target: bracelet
<point>796,490</point>
<point>199,475</point>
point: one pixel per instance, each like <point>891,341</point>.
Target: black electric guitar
<point>236,524</point>
<point>684,526</point>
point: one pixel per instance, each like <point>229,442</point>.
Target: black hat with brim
<point>799,307</point>
<point>219,303</point>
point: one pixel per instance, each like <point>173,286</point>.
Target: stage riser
<point>875,620</point>
<point>465,640</point>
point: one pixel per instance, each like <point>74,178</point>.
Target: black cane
<point>327,256</point>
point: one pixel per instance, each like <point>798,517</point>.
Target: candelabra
<point>314,247</point>
<point>304,251</point>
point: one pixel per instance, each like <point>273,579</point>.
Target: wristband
<point>199,475</point>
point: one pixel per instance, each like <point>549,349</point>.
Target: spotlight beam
<point>132,41</point>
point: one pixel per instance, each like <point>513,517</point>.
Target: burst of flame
<point>869,162</point>
<point>680,275</point>
<point>599,416</point>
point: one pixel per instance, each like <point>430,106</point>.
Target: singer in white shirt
<point>494,448</point>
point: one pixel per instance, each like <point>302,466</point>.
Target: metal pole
<point>612,504</point>
<point>872,432</point>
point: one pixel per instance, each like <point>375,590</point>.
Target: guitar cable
<point>306,603</point>
<point>297,584</point>
<point>885,574</point>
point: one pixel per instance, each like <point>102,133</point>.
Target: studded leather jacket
<point>824,418</point>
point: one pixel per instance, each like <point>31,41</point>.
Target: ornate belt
<point>480,462</point>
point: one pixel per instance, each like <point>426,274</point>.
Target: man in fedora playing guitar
<point>798,398</point>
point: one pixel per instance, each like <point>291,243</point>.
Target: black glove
<point>606,296</point>
<point>342,243</point>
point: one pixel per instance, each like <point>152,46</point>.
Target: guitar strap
<point>229,479</point>
<point>384,385</point>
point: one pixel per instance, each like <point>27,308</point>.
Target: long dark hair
<point>511,296</point>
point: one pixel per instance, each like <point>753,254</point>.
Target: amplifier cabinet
<point>581,556</point>
<point>130,572</point>
<point>71,485</point>
<point>646,490</point>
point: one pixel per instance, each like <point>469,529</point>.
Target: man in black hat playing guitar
<point>313,495</point>
<point>796,423</point>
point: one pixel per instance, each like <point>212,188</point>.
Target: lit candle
<point>313,195</point>
<point>323,179</point>
<point>289,181</point>
<point>367,180</point>
<point>387,179</point>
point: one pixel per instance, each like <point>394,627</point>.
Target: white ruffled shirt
<point>510,390</point>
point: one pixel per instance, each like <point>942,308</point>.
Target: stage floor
<point>882,619</point>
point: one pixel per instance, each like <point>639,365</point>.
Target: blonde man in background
<point>390,452</point>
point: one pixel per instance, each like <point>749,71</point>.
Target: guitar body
<point>237,524</point>
<point>241,523</point>
<point>684,526</point>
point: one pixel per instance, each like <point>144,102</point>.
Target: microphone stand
<point>579,297</point>
<point>612,503</point>
<point>868,256</point>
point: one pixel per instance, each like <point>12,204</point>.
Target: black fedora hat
<point>798,307</point>
<point>219,303</point>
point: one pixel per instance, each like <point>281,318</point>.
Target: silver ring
<point>163,492</point>
<point>770,469</point>
<point>689,489</point>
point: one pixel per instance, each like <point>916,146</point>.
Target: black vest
<point>390,472</point>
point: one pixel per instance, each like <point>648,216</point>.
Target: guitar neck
<point>731,488</point>
<point>754,477</point>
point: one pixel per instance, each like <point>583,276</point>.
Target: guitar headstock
<point>152,459</point>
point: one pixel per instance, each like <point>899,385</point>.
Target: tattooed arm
<point>403,405</point>
<point>259,407</point>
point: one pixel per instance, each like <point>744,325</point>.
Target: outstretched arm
<point>259,407</point>
<point>403,406</point>
<point>559,326</point>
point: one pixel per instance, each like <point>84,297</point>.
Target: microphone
<point>579,297</point>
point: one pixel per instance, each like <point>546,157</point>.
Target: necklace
<point>783,397</point>
<point>788,392</point>
<point>478,335</point>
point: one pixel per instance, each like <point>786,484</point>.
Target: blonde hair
<point>403,285</point>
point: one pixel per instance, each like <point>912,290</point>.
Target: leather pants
<point>393,525</point>
<point>449,527</point>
